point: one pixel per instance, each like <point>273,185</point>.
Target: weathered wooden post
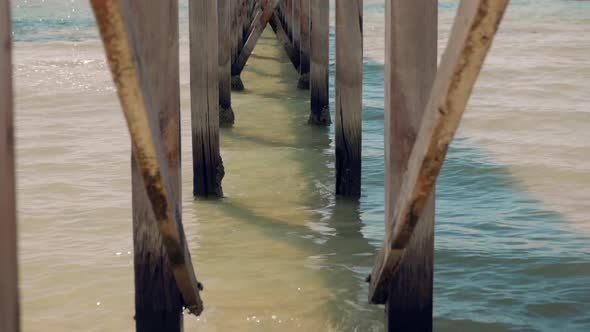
<point>226,113</point>
<point>260,21</point>
<point>236,83</point>
<point>296,26</point>
<point>9,306</point>
<point>304,45</point>
<point>282,16</point>
<point>158,302</point>
<point>349,96</point>
<point>245,21</point>
<point>410,67</point>
<point>240,23</point>
<point>277,27</point>
<point>143,59</point>
<point>289,18</point>
<point>204,62</point>
<point>406,251</point>
<point>320,63</point>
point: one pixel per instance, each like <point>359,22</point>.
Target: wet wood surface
<point>144,127</point>
<point>471,37</point>
<point>208,168</point>
<point>320,63</point>
<point>304,44</point>
<point>260,21</point>
<point>9,303</point>
<point>349,96</point>
<point>226,113</point>
<point>410,68</point>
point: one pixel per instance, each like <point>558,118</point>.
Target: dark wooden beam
<point>158,302</point>
<point>226,113</point>
<point>288,18</point>
<point>277,27</point>
<point>410,68</point>
<point>296,27</point>
<point>320,63</point>
<point>304,44</point>
<point>349,96</point>
<point>208,168</point>
<point>9,304</point>
<point>260,21</point>
<point>143,121</point>
<point>474,29</point>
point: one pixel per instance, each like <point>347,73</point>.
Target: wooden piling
<point>236,83</point>
<point>9,304</point>
<point>320,63</point>
<point>288,19</point>
<point>245,21</point>
<point>304,45</point>
<point>296,27</point>
<point>240,24</point>
<point>226,113</point>
<point>349,86</point>
<point>277,27</point>
<point>143,59</point>
<point>474,29</point>
<point>410,67</point>
<point>204,63</point>
<point>281,13</point>
<point>260,21</point>
<point>241,37</point>
<point>158,302</point>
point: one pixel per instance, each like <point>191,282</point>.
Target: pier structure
<point>424,104</point>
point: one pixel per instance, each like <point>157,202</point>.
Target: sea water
<point>280,252</point>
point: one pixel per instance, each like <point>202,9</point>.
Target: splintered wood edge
<point>473,31</point>
<point>148,153</point>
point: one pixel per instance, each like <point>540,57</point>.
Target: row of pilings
<point>303,28</point>
<point>423,108</point>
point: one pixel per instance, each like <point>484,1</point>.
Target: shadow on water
<point>331,235</point>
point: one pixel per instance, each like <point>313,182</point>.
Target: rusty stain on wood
<point>410,68</point>
<point>473,31</point>
<point>148,151</point>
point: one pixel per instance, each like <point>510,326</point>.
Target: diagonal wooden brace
<point>148,151</point>
<point>474,29</point>
<point>259,23</point>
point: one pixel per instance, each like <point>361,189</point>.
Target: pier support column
<point>304,45</point>
<point>9,305</point>
<point>158,302</point>
<point>277,27</point>
<point>235,31</point>
<point>410,69</point>
<point>261,19</point>
<point>349,96</point>
<point>226,113</point>
<point>296,27</point>
<point>289,19</point>
<point>204,63</point>
<point>320,63</point>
